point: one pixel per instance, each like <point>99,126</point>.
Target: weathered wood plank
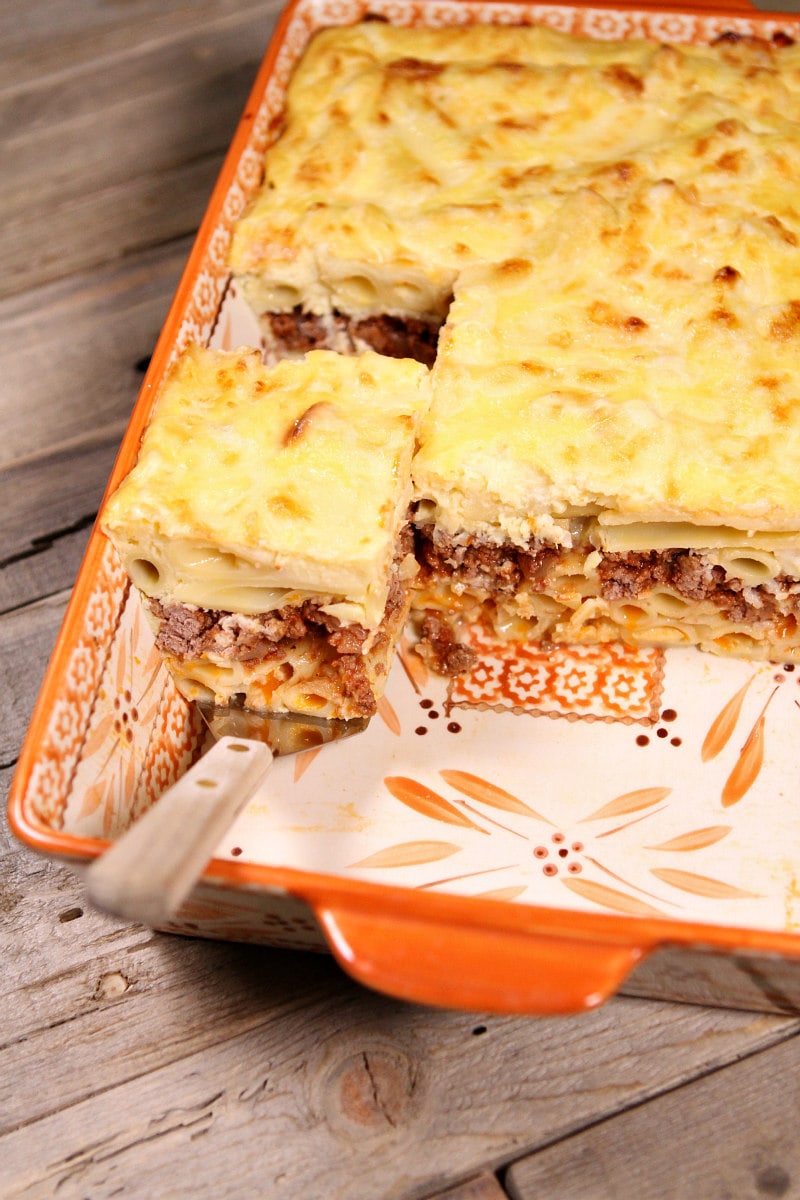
<point>484,1187</point>
<point>57,492</point>
<point>169,115</point>
<point>51,568</point>
<point>730,1134</point>
<point>69,351</point>
<point>72,356</point>
<point>26,640</point>
<point>110,1002</point>
<point>48,39</point>
<point>350,1095</point>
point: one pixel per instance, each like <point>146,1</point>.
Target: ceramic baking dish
<point>518,839</point>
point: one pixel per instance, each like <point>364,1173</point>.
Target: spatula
<point>147,873</point>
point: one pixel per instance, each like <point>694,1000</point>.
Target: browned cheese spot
<point>511,179</point>
<point>787,325</point>
<point>514,267</point>
<point>440,113</point>
<point>414,68</point>
<point>623,78</point>
<point>786,234</point>
<point>731,161</point>
<point>304,422</point>
<point>529,124</point>
<point>723,316</point>
<point>477,149</point>
<point>313,172</point>
<point>623,172</point>
<point>600,313</point>
<point>727,275</point>
<point>596,376</point>
<point>666,271</point>
<point>728,127</point>
<point>286,506</point>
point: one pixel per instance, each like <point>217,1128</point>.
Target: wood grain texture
<point>50,566</point>
<point>46,39</point>
<point>721,1136</point>
<point>26,639</point>
<point>346,1094</point>
<point>165,94</point>
<point>484,1187</point>
<point>69,353</point>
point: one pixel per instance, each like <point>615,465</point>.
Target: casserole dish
<point>516,839</point>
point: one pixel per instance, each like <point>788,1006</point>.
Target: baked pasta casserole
<point>266,525</point>
<point>530,308</point>
<point>407,154</point>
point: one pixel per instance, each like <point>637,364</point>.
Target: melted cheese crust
<point>407,154</point>
<point>640,363</point>
<point>256,488</point>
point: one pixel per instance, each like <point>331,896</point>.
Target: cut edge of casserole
<point>611,449</point>
<point>405,155</point>
<point>266,525</point>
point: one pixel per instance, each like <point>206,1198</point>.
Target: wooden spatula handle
<point>150,870</point>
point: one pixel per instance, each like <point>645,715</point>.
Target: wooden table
<point>134,1064</point>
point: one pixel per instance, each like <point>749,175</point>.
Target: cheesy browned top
<point>639,364</point>
<point>408,154</point>
<point>261,487</point>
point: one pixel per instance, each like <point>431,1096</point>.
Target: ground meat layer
<point>483,565</point>
<point>691,575</point>
<point>502,570</point>
<point>440,648</point>
<point>396,337</point>
<point>188,633</point>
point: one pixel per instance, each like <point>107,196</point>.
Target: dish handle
<point>476,968</point>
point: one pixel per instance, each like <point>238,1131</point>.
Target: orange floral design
<point>129,755</point>
<point>695,839</point>
<point>572,854</point>
<point>630,802</point>
<point>409,854</point>
<point>427,802</point>
<point>701,885</point>
<point>749,763</point>
<point>489,793</point>
<point>597,683</point>
<point>389,716</point>
<point>608,897</point>
<point>722,727</point>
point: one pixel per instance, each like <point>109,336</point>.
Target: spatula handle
<point>150,870</point>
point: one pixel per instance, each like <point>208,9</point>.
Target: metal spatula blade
<point>147,873</point>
